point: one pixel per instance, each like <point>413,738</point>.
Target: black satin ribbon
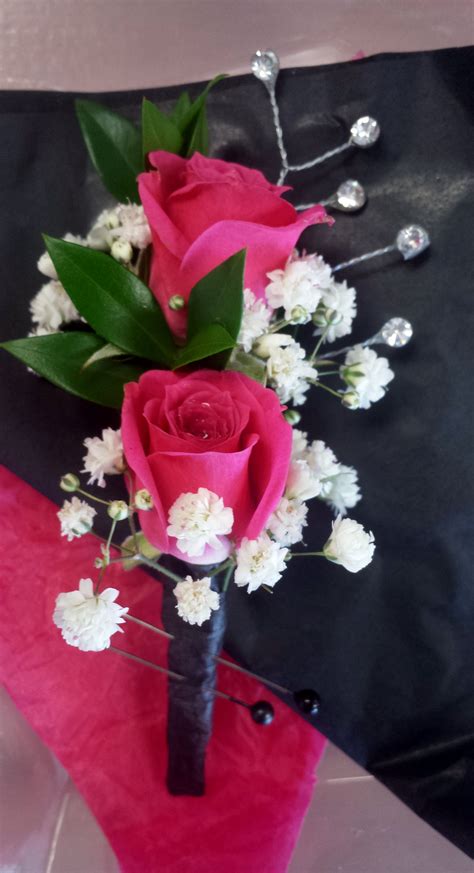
<point>191,653</point>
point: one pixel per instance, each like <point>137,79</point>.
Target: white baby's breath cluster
<point>76,518</point>
<point>120,230</point>
<point>367,375</point>
<point>314,466</point>
<point>305,290</point>
<point>255,320</point>
<point>199,520</point>
<point>195,599</point>
<point>104,456</point>
<point>88,620</point>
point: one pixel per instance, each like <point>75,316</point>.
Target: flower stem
<point>319,343</point>
<point>279,325</point>
<point>227,577</point>
<point>93,497</point>
<point>106,556</point>
<point>307,554</point>
<point>327,388</point>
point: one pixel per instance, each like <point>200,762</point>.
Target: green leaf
<point>107,351</point>
<point>249,364</point>
<point>114,145</point>
<point>211,340</point>
<point>218,298</point>
<point>199,141</point>
<point>60,357</point>
<point>193,123</point>
<point>189,119</point>
<point>182,105</point>
<point>158,131</point>
<point>116,304</point>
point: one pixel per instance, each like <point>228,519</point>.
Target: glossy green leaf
<point>60,357</point>
<point>199,140</point>
<point>249,364</point>
<point>211,340</point>
<point>114,145</point>
<point>188,120</point>
<point>181,107</point>
<point>107,351</point>
<point>158,131</point>
<point>218,298</point>
<point>116,304</point>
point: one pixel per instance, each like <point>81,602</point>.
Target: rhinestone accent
<point>350,196</point>
<point>265,66</point>
<point>411,241</point>
<point>365,132</point>
<point>397,332</point>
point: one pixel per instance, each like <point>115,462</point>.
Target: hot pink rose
<point>201,211</point>
<point>216,430</point>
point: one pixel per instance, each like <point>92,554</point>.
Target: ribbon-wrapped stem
<point>192,653</point>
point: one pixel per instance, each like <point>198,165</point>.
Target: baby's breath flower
<point>259,562</point>
<point>87,620</point>
<point>104,456</point>
<point>196,600</point>
<point>76,517</point>
<point>198,520</point>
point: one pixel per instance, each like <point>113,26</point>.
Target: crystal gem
<point>350,195</point>
<point>411,241</point>
<point>397,332</point>
<point>265,66</point>
<point>365,131</point>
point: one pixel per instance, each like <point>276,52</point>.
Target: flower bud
<point>176,302</point>
<point>98,563</point>
<point>69,482</point>
<point>350,400</point>
<point>351,375</point>
<point>267,344</point>
<point>292,416</point>
<point>121,251</point>
<point>299,315</point>
<point>118,510</point>
<point>143,500</point>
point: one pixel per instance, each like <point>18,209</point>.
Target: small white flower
<point>299,445</point>
<point>302,483</point>
<point>270,342</point>
<point>76,517</point>
<point>196,600</point>
<point>45,264</point>
<point>133,225</point>
<point>287,522</point>
<point>121,251</point>
<point>104,456</point>
<point>198,520</point>
<point>126,224</point>
<point>100,235</point>
<point>322,460</point>
<point>87,620</point>
<point>299,284</point>
<point>289,372</point>
<point>349,545</point>
<point>51,307</point>
<point>259,562</point>
<point>342,491</point>
<point>338,305</point>
<point>368,373</point>
<point>255,320</point>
